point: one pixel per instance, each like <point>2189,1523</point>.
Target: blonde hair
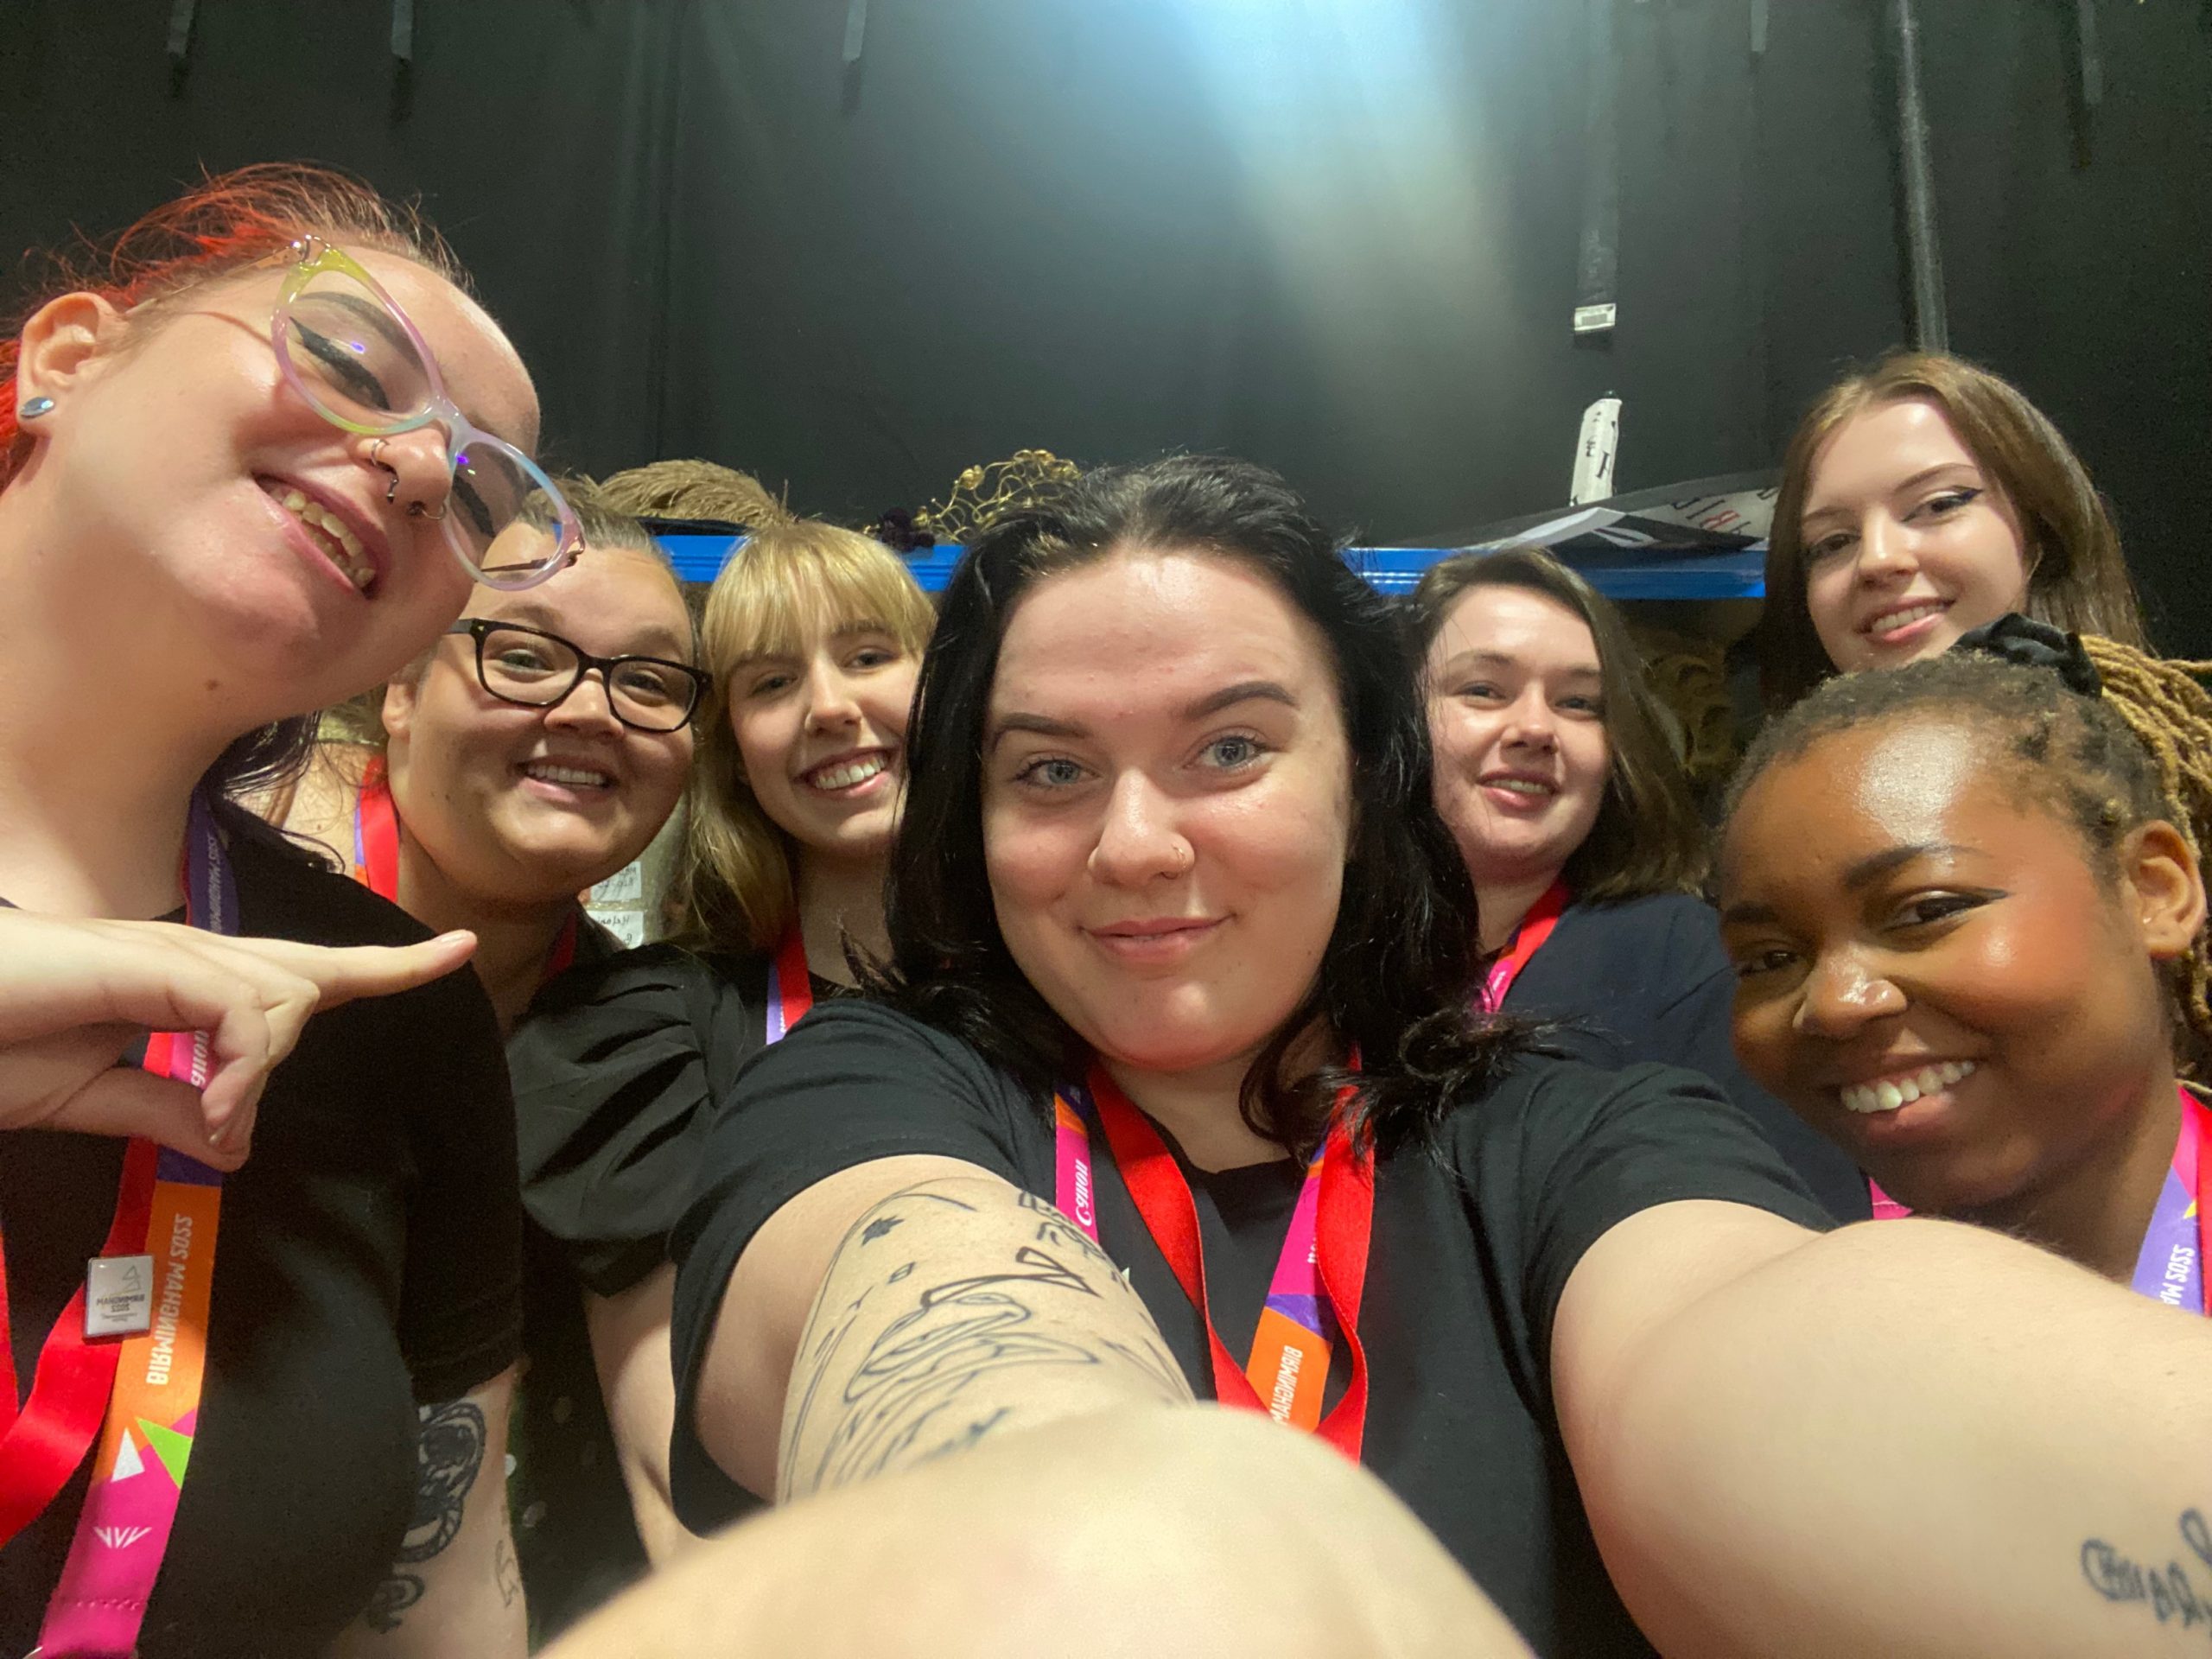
<point>735,883</point>
<point>695,489</point>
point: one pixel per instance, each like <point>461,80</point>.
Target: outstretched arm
<point>909,1307</point>
<point>1906,1438</point>
<point>1134,1527</point>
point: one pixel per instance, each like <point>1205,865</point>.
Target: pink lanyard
<point>1314,1297</point>
<point>150,1384</point>
<point>791,991</point>
<point>2171,1269</point>
<point>1527,938</point>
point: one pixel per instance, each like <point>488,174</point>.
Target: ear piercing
<point>33,410</point>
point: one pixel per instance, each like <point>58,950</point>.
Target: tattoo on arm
<point>506,1572</point>
<point>2170,1591</point>
<point>449,1456</point>
<point>904,1397</point>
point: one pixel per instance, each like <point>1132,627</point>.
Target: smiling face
<point>266,568</point>
<point>1167,805</point>
<point>532,805</point>
<point>1517,718</point>
<point>1907,543</point>
<point>821,730</point>
<point>1934,973</point>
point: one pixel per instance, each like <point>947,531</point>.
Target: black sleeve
<point>1692,1031</point>
<point>461,1289</point>
<point>1587,1149</point>
<point>852,1083</point>
<point>613,1074</point>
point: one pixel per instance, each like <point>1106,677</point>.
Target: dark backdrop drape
<point>1338,236</point>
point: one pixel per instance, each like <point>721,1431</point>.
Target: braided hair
<point>2139,752</point>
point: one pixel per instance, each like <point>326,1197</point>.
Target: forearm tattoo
<point>2177,1593</point>
<point>449,1456</point>
<point>866,1404</point>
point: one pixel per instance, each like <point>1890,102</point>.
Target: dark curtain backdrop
<point>1337,236</point>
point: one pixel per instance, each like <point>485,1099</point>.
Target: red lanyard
<point>1527,938</point>
<point>375,858</point>
<point>42,1445</point>
<point>1319,1279</point>
<point>140,1395</point>
<point>791,990</point>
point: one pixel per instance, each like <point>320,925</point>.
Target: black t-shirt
<point>615,1067</point>
<point>368,1262</point>
<point>1473,1242</point>
<point>1647,979</point>
<point>615,1072</point>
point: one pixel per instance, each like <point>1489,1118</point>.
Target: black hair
<point>1396,973</point>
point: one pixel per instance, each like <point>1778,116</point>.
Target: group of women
<point>1166,972</point>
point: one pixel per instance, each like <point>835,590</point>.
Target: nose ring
<point>376,459</point>
<point>415,509</point>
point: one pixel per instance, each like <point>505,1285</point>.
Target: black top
<point>368,1262</point>
<point>613,1071</point>
<point>576,1538</point>
<point>1647,979</point>
<point>614,1066</point>
<point>1472,1244</point>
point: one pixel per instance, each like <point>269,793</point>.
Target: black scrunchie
<point>897,530</point>
<point>2021,640</point>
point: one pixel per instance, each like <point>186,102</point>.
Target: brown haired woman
<point>1920,499</point>
<point>236,484</point>
<point>531,753</point>
<point>814,634</point>
<point>1554,774</point>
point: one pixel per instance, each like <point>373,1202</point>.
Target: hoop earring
<point>33,410</point>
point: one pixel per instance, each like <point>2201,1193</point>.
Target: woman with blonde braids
<point>814,635</point>
<point>1965,903</point>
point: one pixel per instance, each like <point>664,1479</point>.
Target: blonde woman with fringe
<point>814,635</point>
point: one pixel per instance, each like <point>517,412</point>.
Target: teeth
<point>1904,618</point>
<point>1521,785</point>
<point>348,554</point>
<point>548,772</point>
<point>1888,1094</point>
<point>846,775</point>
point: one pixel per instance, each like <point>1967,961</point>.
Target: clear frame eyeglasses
<point>346,347</point>
<point>527,665</point>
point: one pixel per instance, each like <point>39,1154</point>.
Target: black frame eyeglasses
<point>480,628</point>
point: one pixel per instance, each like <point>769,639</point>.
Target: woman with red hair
<point>259,1377</point>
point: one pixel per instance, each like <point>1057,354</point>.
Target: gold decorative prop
<point>983,494</point>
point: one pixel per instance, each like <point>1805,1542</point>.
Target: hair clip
<point>2022,639</point>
